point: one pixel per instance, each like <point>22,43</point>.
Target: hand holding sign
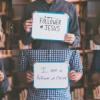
<point>55,26</point>
<point>69,38</point>
<point>28,25</point>
<point>75,76</point>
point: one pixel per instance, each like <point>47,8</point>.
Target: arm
<point>76,67</point>
<point>24,73</point>
<point>26,35</point>
<point>73,36</point>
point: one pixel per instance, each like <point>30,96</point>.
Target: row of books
<point>78,94</point>
<point>96,93</point>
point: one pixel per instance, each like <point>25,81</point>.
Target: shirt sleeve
<point>27,14</point>
<point>74,25</point>
<point>22,61</point>
<point>75,62</point>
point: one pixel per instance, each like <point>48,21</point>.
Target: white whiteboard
<point>50,26</point>
<point>51,75</point>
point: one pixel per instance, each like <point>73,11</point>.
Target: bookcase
<point>87,12</point>
<point>10,14</point>
<point>93,20</point>
<point>84,89</point>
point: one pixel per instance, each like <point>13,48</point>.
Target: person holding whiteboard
<point>71,38</point>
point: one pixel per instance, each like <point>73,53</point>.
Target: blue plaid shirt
<point>28,57</point>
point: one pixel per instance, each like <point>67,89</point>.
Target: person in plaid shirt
<point>49,51</point>
<point>26,61</point>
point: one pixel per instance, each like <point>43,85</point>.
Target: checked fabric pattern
<point>28,57</point>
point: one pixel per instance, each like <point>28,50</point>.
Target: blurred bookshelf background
<point>88,88</point>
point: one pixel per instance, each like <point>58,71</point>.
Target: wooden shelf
<point>82,19</point>
<point>91,16</point>
<point>77,1</point>
<point>16,19</point>
<point>94,0</point>
<point>2,13</point>
<point>19,2</point>
<point>86,51</point>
